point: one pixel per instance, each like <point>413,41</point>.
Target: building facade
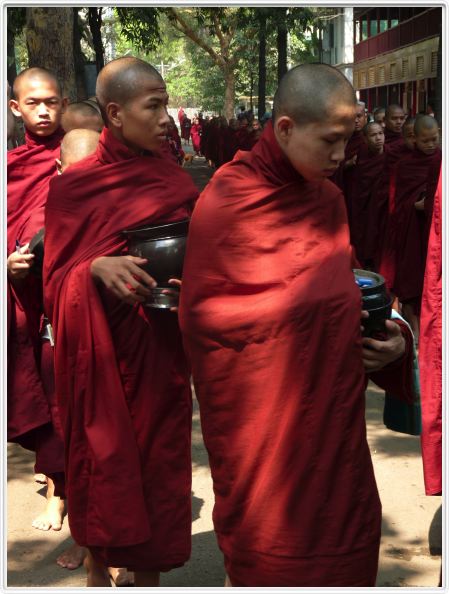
<point>390,54</point>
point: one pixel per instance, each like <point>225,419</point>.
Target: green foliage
<point>140,26</point>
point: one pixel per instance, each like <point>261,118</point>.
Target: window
<point>372,77</point>
<point>362,79</point>
<point>405,68</point>
<point>434,62</point>
<point>392,71</point>
<point>381,75</point>
<point>383,25</point>
<point>373,28</point>
<point>394,23</point>
<point>364,29</point>
<point>419,65</point>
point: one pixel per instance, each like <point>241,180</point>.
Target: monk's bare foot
<point>227,583</point>
<point>97,574</point>
<point>51,518</point>
<point>121,576</point>
<point>72,557</point>
<point>40,478</point>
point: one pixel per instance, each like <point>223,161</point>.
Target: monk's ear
<point>113,113</point>
<point>13,104</point>
<point>283,128</point>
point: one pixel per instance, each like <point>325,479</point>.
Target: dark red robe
<point>195,134</point>
<point>392,137</point>
<point>409,224</point>
<point>430,356</point>
<point>343,176</point>
<point>32,412</point>
<point>122,380</point>
<point>366,195</point>
<point>270,315</point>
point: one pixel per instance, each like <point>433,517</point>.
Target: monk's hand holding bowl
<point>177,282</point>
<point>123,276</point>
<point>19,263</point>
<point>379,353</point>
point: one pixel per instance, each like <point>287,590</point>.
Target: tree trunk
<point>78,58</point>
<point>49,38</point>
<point>229,76</point>
<point>262,66</point>
<point>95,23</point>
<point>11,71</point>
<point>438,91</point>
<point>282,45</point>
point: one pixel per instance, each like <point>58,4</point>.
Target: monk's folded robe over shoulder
<point>121,376</point>
<point>270,315</point>
<point>31,407</point>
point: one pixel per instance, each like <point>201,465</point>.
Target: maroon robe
<point>392,137</point>
<point>409,224</point>
<point>121,376</point>
<point>270,315</point>
<point>32,413</point>
<point>343,176</point>
<point>430,356</point>
<point>366,195</point>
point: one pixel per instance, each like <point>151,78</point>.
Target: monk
<point>412,178</point>
<point>121,376</point>
<point>343,176</point>
<point>394,120</point>
<point>270,315</point>
<point>368,196</point>
<point>39,102</point>
<point>82,115</point>
<point>195,134</point>
<point>379,116</point>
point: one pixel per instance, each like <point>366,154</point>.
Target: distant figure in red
<point>195,134</point>
<point>185,129</point>
<point>180,115</point>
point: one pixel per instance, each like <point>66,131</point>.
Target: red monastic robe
<point>270,315</point>
<point>343,176</point>
<point>410,225</point>
<point>430,356</point>
<point>391,137</point>
<point>122,380</point>
<point>195,133</point>
<point>32,412</point>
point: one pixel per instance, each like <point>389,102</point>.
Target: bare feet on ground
<point>52,517</point>
<point>121,576</point>
<point>72,557</point>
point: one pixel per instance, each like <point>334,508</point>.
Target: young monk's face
<point>395,120</point>
<point>144,119</point>
<point>316,149</point>
<point>409,136</point>
<point>379,118</point>
<point>427,140</point>
<point>375,138</point>
<point>40,105</point>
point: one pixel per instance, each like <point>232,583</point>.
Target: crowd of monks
<point>268,323</point>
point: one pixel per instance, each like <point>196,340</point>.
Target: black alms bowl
<point>164,247</point>
<point>375,299</point>
<point>36,247</point>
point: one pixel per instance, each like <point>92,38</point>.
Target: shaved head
<point>393,108</point>
<point>121,80</point>
<point>76,145</point>
<point>424,122</point>
<point>34,75</point>
<point>369,126</point>
<point>82,115</point>
<point>308,93</point>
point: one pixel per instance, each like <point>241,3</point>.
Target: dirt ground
<point>410,553</point>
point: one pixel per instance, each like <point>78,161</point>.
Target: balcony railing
<point>420,27</point>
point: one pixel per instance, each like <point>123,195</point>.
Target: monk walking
<point>120,371</point>
<point>32,423</point>
<point>270,314</point>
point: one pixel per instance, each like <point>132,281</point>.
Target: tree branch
<point>190,33</point>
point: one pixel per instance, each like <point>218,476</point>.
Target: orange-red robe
<point>430,355</point>
<point>270,315</point>
<point>122,380</point>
